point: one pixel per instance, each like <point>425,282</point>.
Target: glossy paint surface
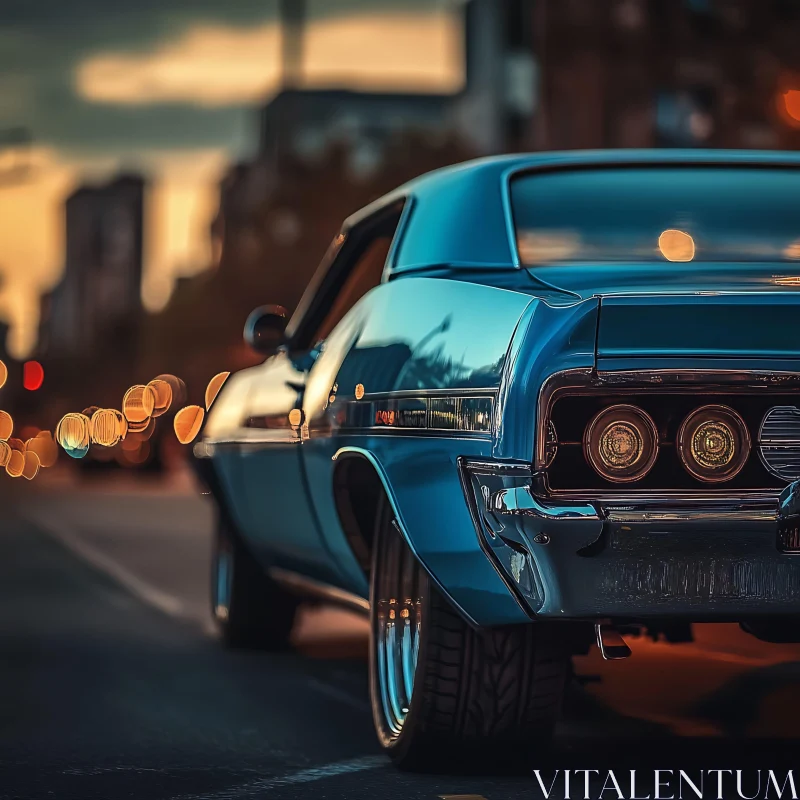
<point>456,314</point>
<point>756,324</point>
<point>414,335</point>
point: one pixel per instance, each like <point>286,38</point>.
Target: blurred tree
<point>272,231</point>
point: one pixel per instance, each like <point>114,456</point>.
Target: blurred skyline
<point>170,88</point>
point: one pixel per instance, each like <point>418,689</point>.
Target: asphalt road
<point>113,685</point>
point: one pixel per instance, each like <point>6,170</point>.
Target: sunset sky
<point>169,87</point>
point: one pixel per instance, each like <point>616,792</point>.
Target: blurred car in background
<point>525,402</point>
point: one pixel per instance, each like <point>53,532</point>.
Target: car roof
<point>459,217</point>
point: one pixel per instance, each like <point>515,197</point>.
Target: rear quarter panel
<point>415,335</point>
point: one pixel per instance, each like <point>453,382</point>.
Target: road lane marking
<point>164,602</point>
<point>462,797</point>
<point>258,787</point>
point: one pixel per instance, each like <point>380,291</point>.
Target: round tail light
<point>621,443</point>
<point>713,443</point>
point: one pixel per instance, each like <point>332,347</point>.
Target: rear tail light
<point>621,443</point>
<point>713,443</point>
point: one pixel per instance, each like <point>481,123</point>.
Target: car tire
<point>480,699</point>
<point>251,610</point>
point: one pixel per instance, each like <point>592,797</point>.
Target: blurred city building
<point>664,73</point>
<point>97,304</point>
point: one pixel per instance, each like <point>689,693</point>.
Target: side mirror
<point>265,328</point>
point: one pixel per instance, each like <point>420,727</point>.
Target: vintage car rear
<point>660,460</point>
<point>563,408</point>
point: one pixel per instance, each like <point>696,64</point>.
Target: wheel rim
<point>223,579</point>
<point>397,632</point>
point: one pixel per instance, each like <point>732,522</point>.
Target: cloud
<point>216,65</point>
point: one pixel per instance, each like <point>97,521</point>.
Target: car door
<point>280,523</point>
<point>281,519</point>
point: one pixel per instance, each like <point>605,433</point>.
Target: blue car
<point>527,403</point>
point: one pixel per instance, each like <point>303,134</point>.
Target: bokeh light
<point>3,374</point>
<point>73,434</point>
<point>6,425</point>
<point>140,427</point>
<point>32,375</point>
<point>176,384</point>
<point>105,427</point>
<point>676,245</point>
<point>5,453</point>
<point>188,422</point>
<point>214,385</point>
<point>30,465</point>
<point>138,404</point>
<point>790,106</point>
<point>45,448</point>
<point>162,392</point>
<point>15,463</point>
<point>122,423</point>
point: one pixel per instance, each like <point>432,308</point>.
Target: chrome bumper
<point>520,501</point>
<point>704,557</point>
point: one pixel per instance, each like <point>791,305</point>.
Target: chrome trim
<point>612,646</point>
<point>553,385</point>
<point>670,496</point>
<point>366,414</point>
<point>784,444</point>
<point>413,394</point>
<point>694,376</point>
<point>519,501</point>
<point>497,468</point>
<point>302,585</point>
<point>466,469</point>
<point>727,512</point>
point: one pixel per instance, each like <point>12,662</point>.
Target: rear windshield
<point>671,213</point>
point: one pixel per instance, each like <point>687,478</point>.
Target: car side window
<point>365,275</point>
<point>354,265</point>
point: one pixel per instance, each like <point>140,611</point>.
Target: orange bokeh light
<point>105,427</point>
<point>138,404</point>
<point>73,434</point>
<point>30,465</point>
<point>676,245</point>
<point>188,422</point>
<point>6,425</point>
<point>790,105</point>
<point>214,385</point>
<point>15,463</point>
<point>45,448</point>
<point>162,392</point>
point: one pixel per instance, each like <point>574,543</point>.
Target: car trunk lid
<point>748,325</point>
